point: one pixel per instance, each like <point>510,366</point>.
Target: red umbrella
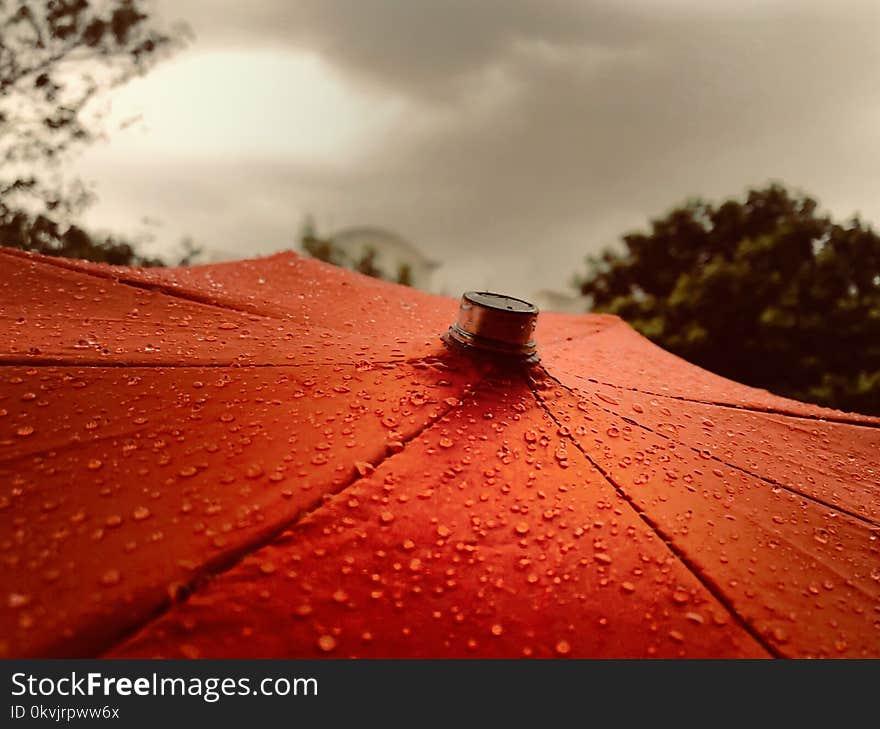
<point>281,458</point>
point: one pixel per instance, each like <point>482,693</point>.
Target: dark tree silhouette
<point>57,56</point>
<point>765,290</point>
<point>327,251</point>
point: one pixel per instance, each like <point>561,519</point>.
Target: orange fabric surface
<point>280,458</point>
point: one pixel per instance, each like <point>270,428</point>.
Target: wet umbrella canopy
<point>282,458</point>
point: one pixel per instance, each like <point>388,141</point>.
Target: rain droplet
<point>110,578</point>
<point>17,600</point>
<point>780,636</point>
<point>363,468</point>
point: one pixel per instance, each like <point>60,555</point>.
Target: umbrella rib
<point>772,482</point>
<point>226,562</point>
<point>160,288</point>
<point>873,423</point>
<point>682,557</point>
<point>131,364</point>
<point>193,297</point>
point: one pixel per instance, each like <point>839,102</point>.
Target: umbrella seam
<point>210,571</point>
<point>772,482</point>
<point>703,579</point>
<point>131,364</point>
<point>767,411</point>
<point>164,289</point>
<point>189,294</point>
<point>71,443</point>
<point>682,360</point>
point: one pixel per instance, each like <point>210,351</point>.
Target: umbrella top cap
<point>496,323</point>
<point>500,302</point>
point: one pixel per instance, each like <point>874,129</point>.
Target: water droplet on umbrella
<point>17,600</point>
<point>188,650</point>
<point>780,635</point>
<point>110,578</point>
<point>363,468</point>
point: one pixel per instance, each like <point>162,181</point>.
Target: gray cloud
<point>537,131</point>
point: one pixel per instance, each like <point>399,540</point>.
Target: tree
<point>765,290</point>
<point>56,57</point>
<point>326,250</point>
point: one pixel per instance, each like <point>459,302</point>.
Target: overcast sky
<point>506,138</point>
